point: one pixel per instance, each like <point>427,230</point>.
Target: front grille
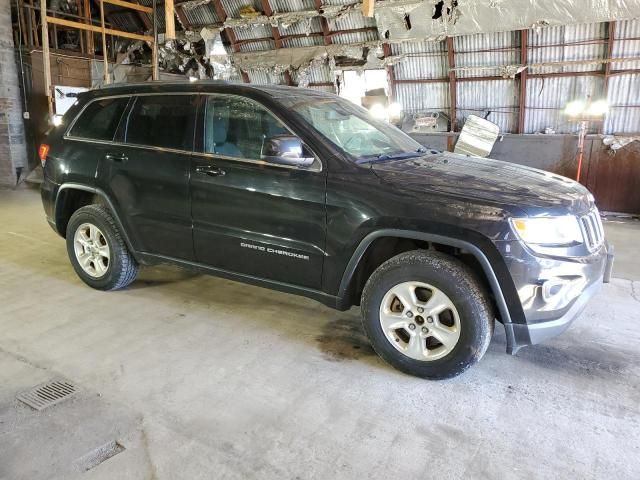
<point>592,230</point>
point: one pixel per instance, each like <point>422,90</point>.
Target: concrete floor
<point>198,377</point>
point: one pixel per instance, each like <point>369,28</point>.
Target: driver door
<point>251,216</point>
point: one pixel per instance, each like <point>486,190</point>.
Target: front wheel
<point>97,250</point>
<point>427,315</point>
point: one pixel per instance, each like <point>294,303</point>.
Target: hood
<point>487,180</point>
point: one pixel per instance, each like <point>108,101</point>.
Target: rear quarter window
<point>99,120</point>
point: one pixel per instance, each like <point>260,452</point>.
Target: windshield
<point>352,129</point>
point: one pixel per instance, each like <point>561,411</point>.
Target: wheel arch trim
<point>451,241</point>
<point>103,195</point>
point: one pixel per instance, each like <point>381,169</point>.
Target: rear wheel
<point>97,250</point>
<point>427,315</point>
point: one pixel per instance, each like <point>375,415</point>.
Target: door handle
<point>210,170</point>
<point>116,157</point>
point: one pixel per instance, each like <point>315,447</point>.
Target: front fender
<point>493,266</point>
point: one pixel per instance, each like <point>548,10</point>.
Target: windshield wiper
<point>390,156</point>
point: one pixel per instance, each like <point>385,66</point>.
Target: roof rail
<point>164,82</point>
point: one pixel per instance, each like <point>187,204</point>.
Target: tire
<point>110,265</point>
<point>422,275</point>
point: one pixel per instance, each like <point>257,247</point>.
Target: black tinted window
<point>100,119</point>
<point>162,121</point>
<point>237,127</point>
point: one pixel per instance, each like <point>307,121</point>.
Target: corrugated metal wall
<point>559,70</point>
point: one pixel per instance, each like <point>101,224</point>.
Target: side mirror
<point>286,150</point>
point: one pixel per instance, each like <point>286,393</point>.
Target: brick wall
<point>13,153</point>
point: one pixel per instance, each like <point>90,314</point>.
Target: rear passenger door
<point>250,216</point>
<point>146,173</point>
<point>90,137</point>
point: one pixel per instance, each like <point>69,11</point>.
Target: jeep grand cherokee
<point>304,192</point>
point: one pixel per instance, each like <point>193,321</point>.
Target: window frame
<point>125,116</point>
<point>316,167</point>
<point>68,136</point>
<point>122,129</point>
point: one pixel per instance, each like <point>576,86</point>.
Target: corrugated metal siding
<point>472,51</point>
<point>419,47</point>
<point>419,67</point>
<point>301,27</point>
<point>547,98</point>
<point>261,77</point>
<point>548,45</point>
<point>316,74</point>
<point>258,46</point>
<point>232,7</point>
<point>624,104</point>
<point>291,5</point>
<point>160,14</point>
<point>127,21</point>
<point>254,31</point>
<point>422,97</point>
<point>626,44</point>
<point>423,60</point>
<point>351,21</point>
<point>201,16</point>
<point>323,88</point>
<point>302,42</point>
<point>497,96</point>
<point>356,37</point>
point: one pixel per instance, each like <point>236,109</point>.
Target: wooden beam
<point>611,34</point>
<point>95,28</point>
<point>524,59</point>
<point>105,54</point>
<point>133,6</point>
<point>46,65</point>
<point>391,74</point>
<point>182,17</point>
<point>169,20</point>
<point>452,83</point>
<point>367,7</point>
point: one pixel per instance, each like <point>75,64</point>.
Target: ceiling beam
<point>231,35</point>
<point>326,31</point>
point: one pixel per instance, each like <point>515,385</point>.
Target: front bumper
<point>546,315</point>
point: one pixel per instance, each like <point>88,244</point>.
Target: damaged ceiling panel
<point>406,20</point>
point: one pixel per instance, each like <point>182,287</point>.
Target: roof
<point>202,86</point>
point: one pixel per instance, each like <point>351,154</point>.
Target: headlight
<point>548,231</point>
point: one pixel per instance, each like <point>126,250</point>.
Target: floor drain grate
<point>48,394</point>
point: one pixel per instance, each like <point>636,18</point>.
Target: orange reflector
<point>43,151</point>
<point>520,225</point>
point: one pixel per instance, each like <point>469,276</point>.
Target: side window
<point>162,121</point>
<point>100,119</point>
<point>237,127</point>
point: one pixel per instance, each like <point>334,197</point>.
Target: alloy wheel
<point>92,250</point>
<point>420,321</point>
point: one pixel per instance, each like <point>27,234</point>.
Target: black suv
<point>304,192</point>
